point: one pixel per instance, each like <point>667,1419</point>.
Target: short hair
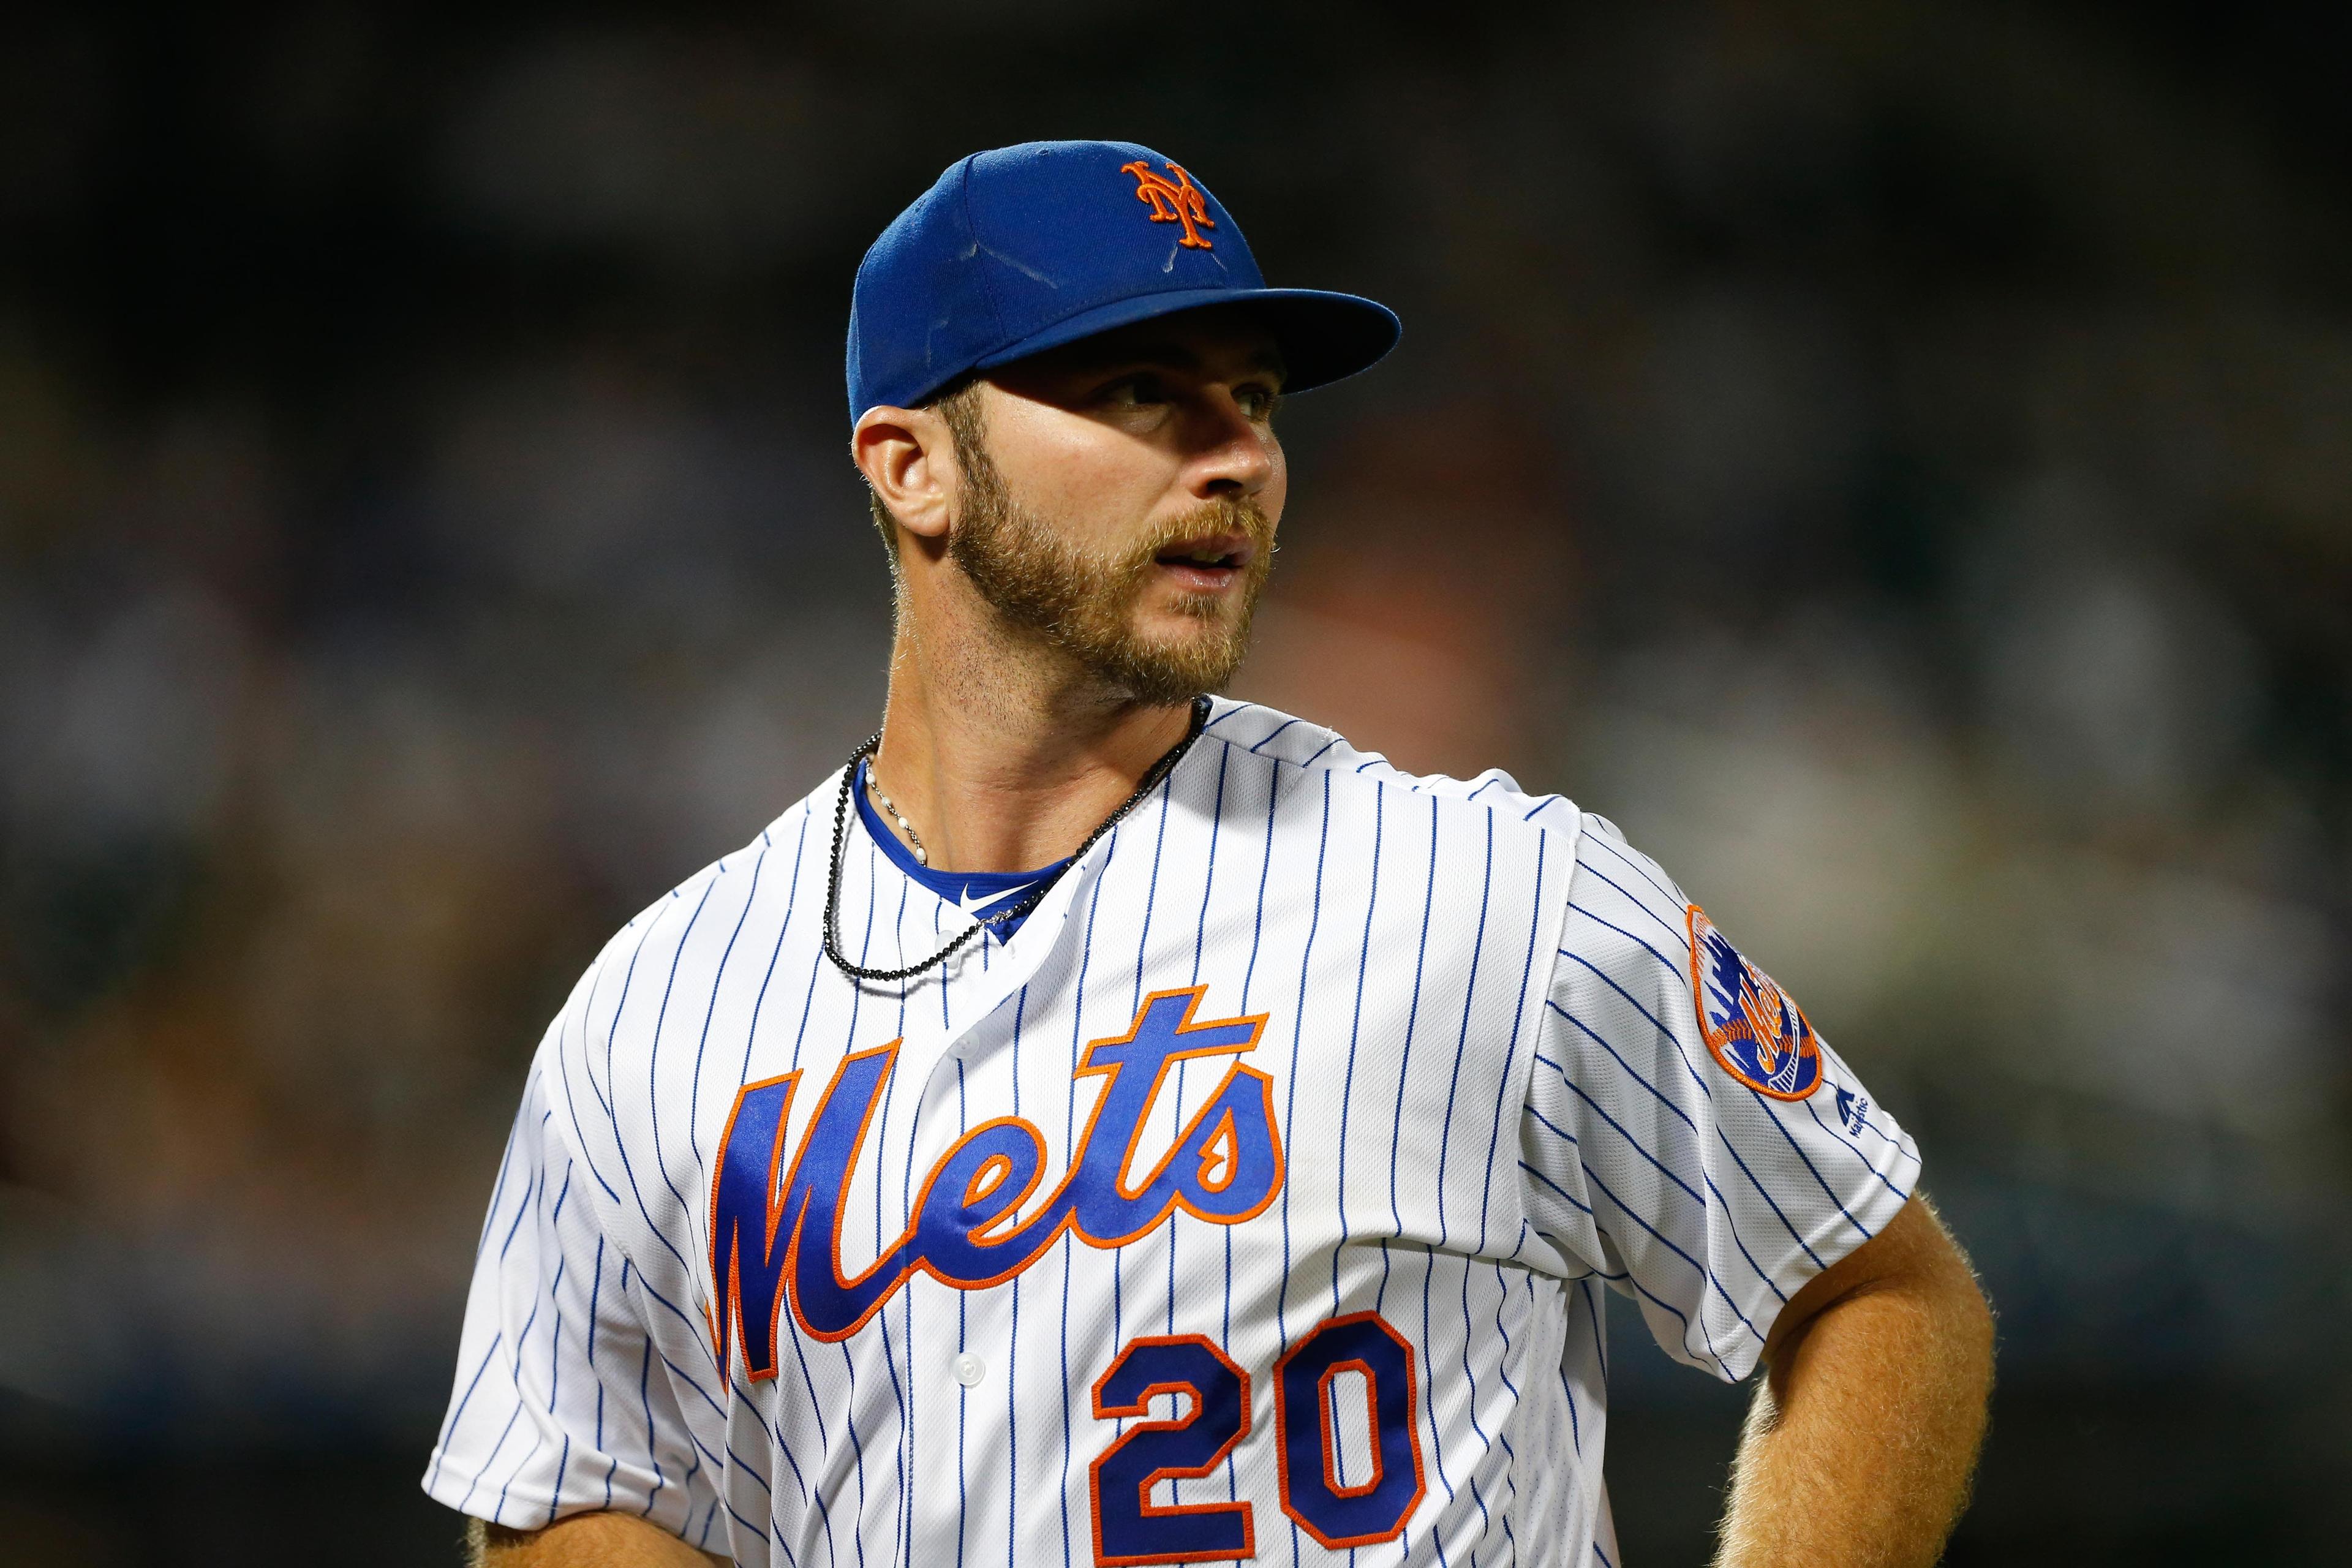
<point>958,405</point>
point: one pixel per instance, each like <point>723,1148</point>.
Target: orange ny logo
<point>1172,203</point>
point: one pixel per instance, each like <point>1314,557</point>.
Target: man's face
<point>1121,501</point>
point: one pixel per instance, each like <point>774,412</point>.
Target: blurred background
<point>1891,460</point>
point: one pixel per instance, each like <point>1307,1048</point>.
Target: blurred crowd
<point>1893,463</point>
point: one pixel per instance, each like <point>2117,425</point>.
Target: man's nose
<point>1233,454</point>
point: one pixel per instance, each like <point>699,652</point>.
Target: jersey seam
<point>1232,745</point>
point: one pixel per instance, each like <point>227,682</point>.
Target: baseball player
<point>1104,1123</point>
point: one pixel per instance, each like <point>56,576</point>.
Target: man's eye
<point>1133,392</point>
<point>1257,402</point>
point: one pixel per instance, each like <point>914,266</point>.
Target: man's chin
<point>1177,664</point>
<point>1182,625</point>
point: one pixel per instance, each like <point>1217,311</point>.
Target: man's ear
<point>907,454</point>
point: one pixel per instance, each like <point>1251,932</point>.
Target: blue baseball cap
<point>1025,249</point>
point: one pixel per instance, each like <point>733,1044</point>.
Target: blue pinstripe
<point>1799,1149</point>
<point>1545,1179</point>
<point>653,1060</point>
<point>457,1414</point>
<point>808,999</point>
<point>1411,1022</point>
<point>1706,1274</point>
<point>1671,967</point>
<point>1768,1283</point>
<point>1470,1374</point>
<point>1867,1163</point>
<point>507,1162</point>
<point>1765,1193</point>
<point>644,1394</point>
<point>1238,708</point>
<point>1298,1027</point>
<point>1667,1034</point>
<point>530,1189</point>
<point>1461,1044</point>
<point>1640,864</point>
<point>1355,1028</point>
<point>710,1011</point>
<point>1436,1428</point>
<point>1511,1051</point>
<point>1664,924</point>
<point>1631,1071</point>
<point>1635,1143</point>
<point>1502,1370</point>
<point>1278,730</point>
<point>499,1446</point>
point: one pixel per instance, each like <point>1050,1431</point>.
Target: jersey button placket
<point>969,1369</point>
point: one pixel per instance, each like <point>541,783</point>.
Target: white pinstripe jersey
<point>1252,1200</point>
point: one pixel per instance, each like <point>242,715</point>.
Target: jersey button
<point>969,1369</point>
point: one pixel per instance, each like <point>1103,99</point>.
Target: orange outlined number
<point>1130,1528</point>
<point>1307,1422</point>
<point>1343,1493</point>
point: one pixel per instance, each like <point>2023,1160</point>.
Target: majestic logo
<point>1179,201</point>
<point>772,1238</point>
<point>1755,1032</point>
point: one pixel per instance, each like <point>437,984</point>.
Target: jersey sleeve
<point>562,1403</point>
<point>1687,1135</point>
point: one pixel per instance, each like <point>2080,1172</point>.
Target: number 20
<point>1130,1529</point>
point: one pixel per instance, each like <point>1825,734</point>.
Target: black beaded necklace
<point>1019,906</point>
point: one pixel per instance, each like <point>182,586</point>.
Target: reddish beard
<point>1084,602</point>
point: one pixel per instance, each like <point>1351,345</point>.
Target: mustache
<point>1226,514</point>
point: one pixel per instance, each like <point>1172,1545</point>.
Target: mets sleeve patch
<point>1754,1030</point>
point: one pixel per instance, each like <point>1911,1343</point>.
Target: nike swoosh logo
<point>1003,899</point>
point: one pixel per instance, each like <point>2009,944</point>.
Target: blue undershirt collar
<point>976,893</point>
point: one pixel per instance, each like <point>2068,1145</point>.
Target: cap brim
<point>1324,336</point>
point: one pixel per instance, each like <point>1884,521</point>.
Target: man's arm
<point>583,1541</point>
<point>1861,1441</point>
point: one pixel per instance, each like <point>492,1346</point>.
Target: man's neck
<point>1004,758</point>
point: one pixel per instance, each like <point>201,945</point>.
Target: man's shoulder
<point>770,867</point>
<point>1285,739</point>
<point>626,999</point>
<point>1622,918</point>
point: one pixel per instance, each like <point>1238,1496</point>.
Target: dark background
<point>1891,460</point>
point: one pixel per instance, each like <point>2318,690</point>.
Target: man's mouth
<point>1206,564</point>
